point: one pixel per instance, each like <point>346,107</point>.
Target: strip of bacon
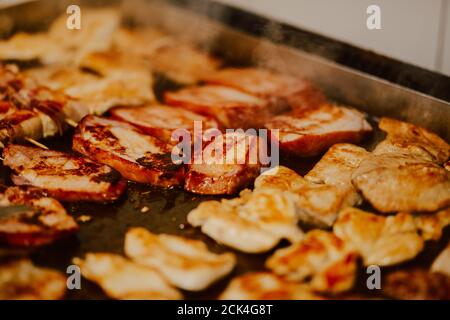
<point>161,121</point>
<point>311,132</point>
<point>138,157</point>
<point>63,176</point>
<point>230,107</point>
<point>43,221</point>
<point>283,92</point>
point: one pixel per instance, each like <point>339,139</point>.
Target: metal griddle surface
<point>168,208</point>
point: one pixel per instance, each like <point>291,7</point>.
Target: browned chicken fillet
<point>21,280</point>
<point>266,286</point>
<point>141,42</point>
<point>226,165</point>
<point>312,131</point>
<point>185,263</point>
<point>407,138</point>
<point>183,63</point>
<point>253,223</point>
<point>329,261</point>
<point>283,92</point>
<point>138,157</point>
<point>400,182</point>
<point>230,107</point>
<point>123,279</point>
<point>380,240</point>
<point>42,220</point>
<point>161,121</point>
<point>63,176</point>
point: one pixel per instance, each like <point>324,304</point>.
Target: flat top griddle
<point>168,208</point>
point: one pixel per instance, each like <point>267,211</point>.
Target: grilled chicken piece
<point>63,176</point>
<point>37,46</point>
<point>123,279</point>
<point>283,92</point>
<point>138,157</point>
<point>185,263</point>
<point>96,33</point>
<point>399,182</point>
<point>114,83</point>
<point>316,204</point>
<point>226,165</point>
<point>161,121</point>
<point>183,63</point>
<point>310,132</point>
<point>382,241</point>
<point>329,261</point>
<point>335,168</point>
<point>60,77</point>
<point>417,284</point>
<point>141,42</point>
<point>255,222</point>
<point>266,286</point>
<point>407,138</point>
<point>61,45</point>
<point>230,107</point>
<point>431,226</point>
<point>442,263</point>
<point>21,280</point>
<point>41,221</point>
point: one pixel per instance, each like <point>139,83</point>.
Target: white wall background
<point>415,31</point>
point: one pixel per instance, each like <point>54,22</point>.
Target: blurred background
<point>414,31</point>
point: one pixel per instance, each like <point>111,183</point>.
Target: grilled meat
<point>409,139</point>
<point>283,92</point>
<point>226,165</point>
<point>138,157</point>
<point>96,34</point>
<point>266,286</point>
<point>124,279</point>
<point>61,45</point>
<point>310,132</point>
<point>21,280</point>
<point>30,110</point>
<point>31,47</point>
<point>230,107</point>
<point>63,176</point>
<point>42,220</point>
<point>382,241</point>
<point>183,63</point>
<point>400,182</point>
<point>329,261</point>
<point>161,121</point>
<point>185,263</point>
<point>316,204</point>
<point>254,223</point>
<point>142,42</point>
